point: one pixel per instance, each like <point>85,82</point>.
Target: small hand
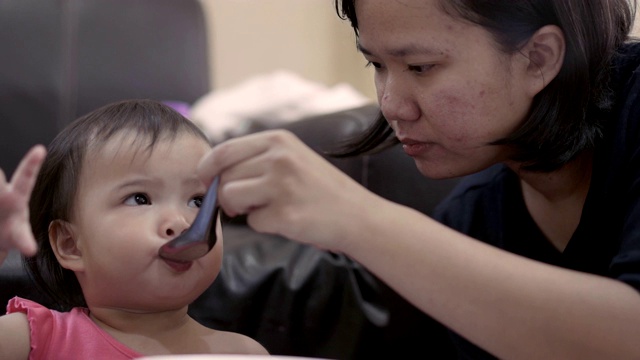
<point>15,229</point>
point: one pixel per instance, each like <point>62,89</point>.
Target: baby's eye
<point>137,199</point>
<point>196,201</point>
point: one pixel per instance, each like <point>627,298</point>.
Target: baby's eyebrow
<point>195,182</point>
<point>137,182</point>
<point>148,182</point>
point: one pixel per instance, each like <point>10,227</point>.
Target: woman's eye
<point>419,69</point>
<point>137,199</point>
<point>374,64</point>
<point>196,201</point>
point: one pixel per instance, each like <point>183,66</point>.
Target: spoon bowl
<point>200,238</point>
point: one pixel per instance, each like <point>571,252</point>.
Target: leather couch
<point>63,58</point>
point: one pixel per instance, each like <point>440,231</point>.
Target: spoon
<point>200,238</point>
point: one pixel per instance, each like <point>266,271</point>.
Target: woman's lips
<point>413,147</point>
<point>179,266</point>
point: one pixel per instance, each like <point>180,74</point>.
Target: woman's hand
<point>286,188</point>
<point>15,230</point>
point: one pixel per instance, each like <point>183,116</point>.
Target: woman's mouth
<point>414,148</point>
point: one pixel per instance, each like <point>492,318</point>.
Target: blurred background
<point>251,37</point>
<point>307,37</point>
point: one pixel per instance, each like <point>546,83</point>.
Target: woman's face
<point>443,84</point>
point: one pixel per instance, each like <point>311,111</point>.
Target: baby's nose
<point>175,226</point>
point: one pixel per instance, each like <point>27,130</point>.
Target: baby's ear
<point>64,245</point>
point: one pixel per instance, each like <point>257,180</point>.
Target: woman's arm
<point>509,305</point>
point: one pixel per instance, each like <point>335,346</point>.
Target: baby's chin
<point>150,302</point>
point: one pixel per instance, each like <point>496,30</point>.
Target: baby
<point>115,186</point>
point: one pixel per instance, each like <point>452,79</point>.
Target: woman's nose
<point>397,101</point>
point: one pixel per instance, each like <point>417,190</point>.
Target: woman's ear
<point>64,245</point>
<point>545,52</point>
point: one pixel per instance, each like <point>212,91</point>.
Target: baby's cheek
<point>219,236</point>
<point>218,248</point>
<point>215,260</point>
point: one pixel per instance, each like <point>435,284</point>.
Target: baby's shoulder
<point>227,342</point>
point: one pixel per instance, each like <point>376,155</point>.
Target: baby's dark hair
<point>57,183</point>
<point>568,116</point>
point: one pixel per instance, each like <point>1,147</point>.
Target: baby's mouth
<point>177,265</point>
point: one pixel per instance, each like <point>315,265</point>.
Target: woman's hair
<point>57,183</point>
<point>567,116</point>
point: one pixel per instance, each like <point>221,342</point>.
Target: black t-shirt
<point>489,205</point>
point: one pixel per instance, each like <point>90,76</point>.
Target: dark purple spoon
<point>200,238</point>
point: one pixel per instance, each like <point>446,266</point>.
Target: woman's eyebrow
<point>410,49</point>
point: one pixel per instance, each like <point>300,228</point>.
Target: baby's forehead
<point>123,143</point>
<point>132,144</point>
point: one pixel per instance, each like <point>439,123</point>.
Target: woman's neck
<point>555,199</point>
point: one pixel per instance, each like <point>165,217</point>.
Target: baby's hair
<point>56,186</point>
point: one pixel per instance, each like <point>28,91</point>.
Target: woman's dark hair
<point>56,186</point>
<point>567,116</point>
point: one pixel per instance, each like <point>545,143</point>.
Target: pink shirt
<point>67,335</point>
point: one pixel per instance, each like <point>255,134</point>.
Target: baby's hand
<point>15,230</point>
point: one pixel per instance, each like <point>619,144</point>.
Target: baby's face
<point>129,203</point>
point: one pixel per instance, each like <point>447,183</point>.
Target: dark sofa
<point>63,58</point>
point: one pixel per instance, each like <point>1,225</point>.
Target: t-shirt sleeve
<point>41,322</point>
<point>625,265</point>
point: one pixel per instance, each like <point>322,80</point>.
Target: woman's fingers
<point>252,169</point>
<point>243,196</point>
<point>231,153</point>
<point>283,186</point>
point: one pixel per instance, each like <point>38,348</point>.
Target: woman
<point>538,100</point>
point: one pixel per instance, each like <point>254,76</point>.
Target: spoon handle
<point>200,238</point>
